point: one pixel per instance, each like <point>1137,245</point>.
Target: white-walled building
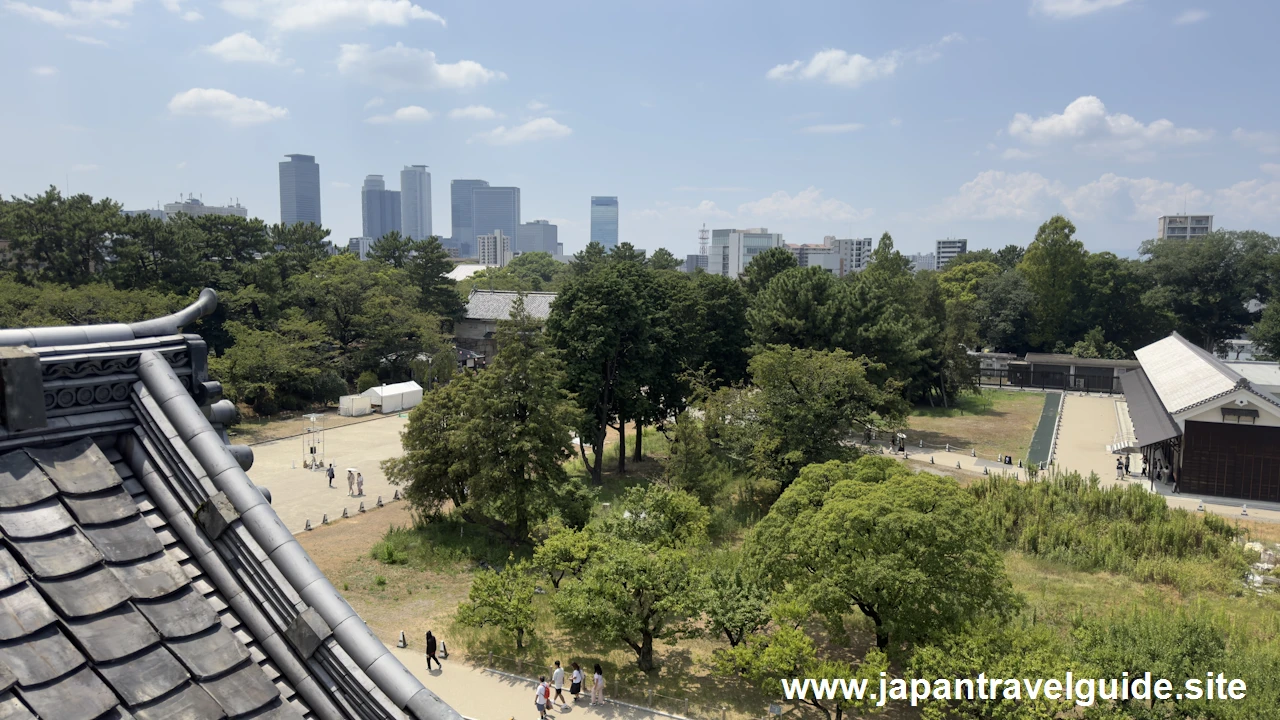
<point>839,256</point>
<point>732,250</point>
<point>947,250</point>
<point>921,261</point>
<point>494,250</point>
<point>1184,226</point>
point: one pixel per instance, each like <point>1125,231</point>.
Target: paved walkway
<point>1089,424</point>
<point>483,695</point>
<point>299,495</point>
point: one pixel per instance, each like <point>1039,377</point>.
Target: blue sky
<point>965,118</point>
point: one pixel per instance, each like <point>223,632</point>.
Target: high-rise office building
<point>299,190</point>
<point>495,208</point>
<point>732,250</point>
<point>415,202</point>
<point>380,207</point>
<point>1185,226</point>
<point>537,236</point>
<point>494,249</point>
<point>462,232</point>
<point>604,221</point>
<point>947,250</point>
<point>693,262</point>
<point>360,246</point>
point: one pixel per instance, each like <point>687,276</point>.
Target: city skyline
<point>942,120</point>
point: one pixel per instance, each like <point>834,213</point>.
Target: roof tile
<point>22,612</point>
<point>114,634</point>
<point>242,691</point>
<point>190,702</point>
<point>66,553</point>
<point>151,578</point>
<point>79,696</point>
<point>78,467</point>
<point>144,677</point>
<point>209,653</point>
<point>94,591</point>
<point>178,615</point>
<point>40,657</point>
<point>125,541</point>
<point>40,520</point>
<point>21,482</point>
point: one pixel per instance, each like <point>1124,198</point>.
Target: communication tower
<point>313,443</point>
<point>704,240</point>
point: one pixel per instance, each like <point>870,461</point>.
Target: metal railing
<point>1047,380</point>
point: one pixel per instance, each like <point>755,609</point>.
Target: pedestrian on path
<point>1119,469</point>
<point>360,484</point>
<point>329,472</point>
<point>431,652</point>
<point>557,682</point>
<point>1126,464</point>
<point>351,482</point>
<point>575,682</point>
<point>540,697</point>
<point>597,687</point>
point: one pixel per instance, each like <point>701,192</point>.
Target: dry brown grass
<point>253,430</point>
<point>997,421</point>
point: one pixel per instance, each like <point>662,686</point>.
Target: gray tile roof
<point>496,304</point>
<point>142,575</point>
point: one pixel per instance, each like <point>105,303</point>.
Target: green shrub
<point>367,379</point>
<point>387,553</point>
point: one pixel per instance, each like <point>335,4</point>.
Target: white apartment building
<point>732,250</point>
<point>922,261</point>
<point>839,256</point>
<point>193,207</point>
<point>494,250</point>
<point>1184,226</point>
<point>947,250</point>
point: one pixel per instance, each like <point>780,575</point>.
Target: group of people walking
<point>543,696</point>
<point>355,481</point>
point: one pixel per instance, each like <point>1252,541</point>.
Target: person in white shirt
<point>540,697</point>
<point>557,682</point>
<point>597,688</point>
<point>575,681</point>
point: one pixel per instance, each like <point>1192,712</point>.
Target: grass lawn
<point>995,421</point>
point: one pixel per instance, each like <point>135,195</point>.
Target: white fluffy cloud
<point>544,128</point>
<point>996,195</point>
<point>838,67</point>
<point>224,106</point>
<point>1190,17</point>
<point>833,129</point>
<point>175,7</point>
<point>1062,9</point>
<point>44,70</point>
<point>88,40</point>
<point>1264,142</point>
<point>808,204</point>
<point>473,112</point>
<point>404,116</point>
<point>1087,125</point>
<point>78,12</point>
<point>288,15</point>
<point>243,47</point>
<point>404,68</point>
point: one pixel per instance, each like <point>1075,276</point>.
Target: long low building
<point>478,329</point>
<point>1198,420</point>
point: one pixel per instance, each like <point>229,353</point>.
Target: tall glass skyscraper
<point>299,190</point>
<point>604,221</point>
<point>464,236</point>
<point>495,208</point>
<point>380,208</point>
<point>415,202</point>
<point>537,236</point>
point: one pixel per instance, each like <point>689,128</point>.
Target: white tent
<point>354,405</point>
<point>394,397</point>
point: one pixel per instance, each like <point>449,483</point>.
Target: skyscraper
<point>604,221</point>
<point>494,249</point>
<point>947,250</point>
<point>380,207</point>
<point>537,236</point>
<point>463,235</point>
<point>415,202</point>
<point>299,190</point>
<point>495,208</point>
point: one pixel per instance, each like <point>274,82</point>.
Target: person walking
<point>1126,464</point>
<point>329,472</point>
<point>575,682</point>
<point>557,683</point>
<point>540,697</point>
<point>359,485</point>
<point>597,687</point>
<point>431,652</point>
<point>1119,468</point>
<point>351,482</point>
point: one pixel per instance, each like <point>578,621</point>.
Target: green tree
<point>59,239</point>
<point>807,402</point>
<point>764,267</point>
<point>538,269</point>
<point>428,265</point>
<point>1206,282</point>
<point>1095,345</point>
<point>723,333</point>
<point>662,259</point>
<point>503,599</point>
<point>565,552</point>
<point>519,423</point>
<point>909,553</point>
<point>691,467</point>
<point>277,369</point>
<point>50,304</point>
<point>1003,312</point>
<point>1266,332</point>
<point>438,464</point>
<point>600,324</point>
<point>1009,256</point>
<point>737,605</point>
<point>658,516</point>
<point>634,594</point>
<point>801,307</point>
<point>367,379</point>
<point>1055,269</point>
<point>1118,302</point>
